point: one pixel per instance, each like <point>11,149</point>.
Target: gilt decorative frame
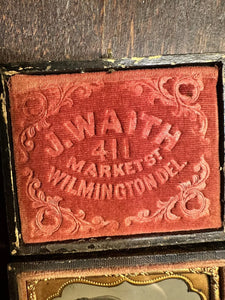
<point>18,247</point>
<point>193,282</point>
<point>48,279</point>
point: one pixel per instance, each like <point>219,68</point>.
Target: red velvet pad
<point>124,153</point>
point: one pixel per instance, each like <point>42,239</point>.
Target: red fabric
<point>125,153</point>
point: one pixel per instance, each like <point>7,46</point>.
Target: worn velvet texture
<point>125,153</point>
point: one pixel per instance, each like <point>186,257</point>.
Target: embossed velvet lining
<point>130,152</point>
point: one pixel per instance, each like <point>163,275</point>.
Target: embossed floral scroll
<point>125,153</point>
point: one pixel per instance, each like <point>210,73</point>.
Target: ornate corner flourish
<point>189,191</point>
<point>183,94</point>
<point>48,208</point>
<point>213,272</point>
<point>38,105</point>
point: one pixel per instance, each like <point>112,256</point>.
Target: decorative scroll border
<point>188,190</point>
<point>115,280</point>
<point>50,206</point>
<point>185,104</point>
<point>50,99</point>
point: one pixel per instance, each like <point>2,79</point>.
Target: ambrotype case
<point>126,152</point>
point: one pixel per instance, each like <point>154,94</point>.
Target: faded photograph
<point>169,289</point>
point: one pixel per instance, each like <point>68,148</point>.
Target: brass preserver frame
<point>48,285</point>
